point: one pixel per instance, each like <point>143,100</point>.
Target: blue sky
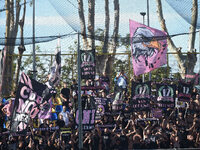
<point>49,21</point>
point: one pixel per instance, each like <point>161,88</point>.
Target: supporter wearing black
<point>50,145</point>
<point>194,93</point>
<point>60,122</point>
<point>105,78</point>
<point>106,137</point>
<point>90,103</point>
<point>3,142</point>
<point>45,124</point>
<point>95,139</point>
<point>74,93</point>
<point>123,140</point>
<point>105,81</point>
<point>74,87</point>
<point>65,95</point>
<point>137,141</point>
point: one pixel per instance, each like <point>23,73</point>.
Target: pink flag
<point>149,47</point>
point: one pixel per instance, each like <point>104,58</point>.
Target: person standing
<point>122,80</point>
<point>74,94</point>
<point>65,96</point>
<point>65,115</point>
<point>105,82</point>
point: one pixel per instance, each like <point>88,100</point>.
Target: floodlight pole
<point>34,63</point>
<point>143,14</point>
<point>80,129</point>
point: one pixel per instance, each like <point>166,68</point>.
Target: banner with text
<point>166,95</point>
<point>88,119</point>
<point>184,91</point>
<point>101,106</point>
<point>29,103</point>
<point>88,64</point>
<point>141,95</point>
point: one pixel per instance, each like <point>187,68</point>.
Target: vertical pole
<point>167,64</point>
<point>72,61</point>
<point>80,134</point>
<point>51,59</point>
<point>199,60</point>
<point>143,76</point>
<point>147,12</point>
<point>34,64</point>
<point>148,25</point>
<point>129,67</point>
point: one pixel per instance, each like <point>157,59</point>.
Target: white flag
<point>55,70</point>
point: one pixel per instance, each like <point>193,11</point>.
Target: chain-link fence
<point>69,67</point>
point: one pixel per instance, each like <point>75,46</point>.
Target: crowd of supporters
<point>118,128</point>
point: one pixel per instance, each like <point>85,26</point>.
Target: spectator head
<point>197,97</point>
<point>136,138</point>
<point>122,71</point>
<point>64,108</point>
<point>65,84</point>
<point>74,81</point>
<point>60,116</point>
<point>46,121</point>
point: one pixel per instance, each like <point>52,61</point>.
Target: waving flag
<point>55,71</point>
<point>30,103</point>
<point>148,53</point>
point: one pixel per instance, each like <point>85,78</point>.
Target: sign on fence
<point>88,119</point>
<point>166,95</point>
<point>141,95</point>
<point>88,64</point>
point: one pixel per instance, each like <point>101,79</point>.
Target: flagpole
<point>80,133</point>
<point>34,64</point>
<point>148,26</point>
<point>143,14</point>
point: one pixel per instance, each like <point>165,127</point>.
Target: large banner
<point>166,95</point>
<point>88,64</point>
<point>29,103</point>
<point>88,119</point>
<point>141,95</point>
<point>149,48</point>
<point>184,91</point>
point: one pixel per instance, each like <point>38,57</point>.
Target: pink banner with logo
<point>148,47</point>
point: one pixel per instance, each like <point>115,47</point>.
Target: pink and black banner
<point>184,91</point>
<point>31,101</point>
<point>149,47</point>
<point>88,120</point>
<point>141,95</point>
<point>88,64</point>
<point>166,95</point>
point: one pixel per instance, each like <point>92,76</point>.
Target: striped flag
<point>55,70</point>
